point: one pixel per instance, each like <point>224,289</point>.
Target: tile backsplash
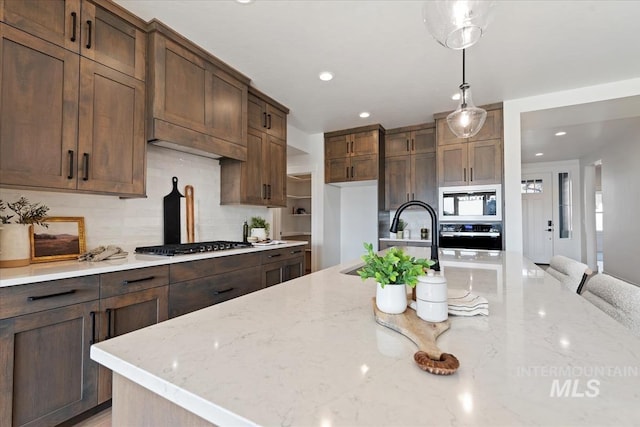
<point>128,223</point>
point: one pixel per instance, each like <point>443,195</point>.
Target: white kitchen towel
<point>463,303</point>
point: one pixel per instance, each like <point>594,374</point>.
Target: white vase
<point>391,299</point>
<point>15,247</point>
<point>260,233</point>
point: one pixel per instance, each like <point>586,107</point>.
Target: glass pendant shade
<point>456,24</point>
<point>468,119</point>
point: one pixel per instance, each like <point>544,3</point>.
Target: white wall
<point>358,220</point>
<point>570,247</point>
<point>313,162</point>
<point>512,141</point>
<point>139,222</point>
<point>621,205</point>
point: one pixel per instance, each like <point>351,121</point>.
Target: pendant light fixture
<point>468,119</point>
<point>456,24</point>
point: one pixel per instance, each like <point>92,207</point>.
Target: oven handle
<point>468,234</point>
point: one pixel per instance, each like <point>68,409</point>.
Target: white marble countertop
<point>309,353</point>
<point>67,269</point>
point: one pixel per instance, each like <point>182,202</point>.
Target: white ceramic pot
<point>260,233</point>
<point>432,302</point>
<point>391,299</point>
<point>400,234</point>
<point>15,247</point>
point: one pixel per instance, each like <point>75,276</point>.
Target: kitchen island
<point>308,352</point>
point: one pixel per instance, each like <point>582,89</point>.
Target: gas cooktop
<point>191,248</point>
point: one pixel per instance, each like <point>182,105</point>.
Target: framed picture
<point>63,239</point>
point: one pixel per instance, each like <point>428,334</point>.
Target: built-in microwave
<point>471,203</point>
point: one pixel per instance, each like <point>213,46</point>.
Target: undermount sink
<point>353,271</point>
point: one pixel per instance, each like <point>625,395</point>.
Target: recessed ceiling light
<point>365,114</point>
<point>325,76</point>
<point>539,154</point>
<point>456,96</point>
<point>561,133</point>
<point>244,1</point>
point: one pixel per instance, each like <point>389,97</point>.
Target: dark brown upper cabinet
<point>72,91</point>
<point>261,179</point>
<point>410,166</point>
<point>353,154</point>
<point>197,103</point>
<point>471,161</point>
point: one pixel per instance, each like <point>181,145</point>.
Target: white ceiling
<point>385,61</point>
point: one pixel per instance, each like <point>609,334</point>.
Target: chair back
<point>569,272</point>
<point>617,298</point>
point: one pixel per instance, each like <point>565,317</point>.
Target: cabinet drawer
<point>193,295</point>
<point>208,267</point>
<point>24,299</point>
<point>282,254</point>
<point>122,282</point>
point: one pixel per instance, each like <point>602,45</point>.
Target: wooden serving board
<point>424,334</point>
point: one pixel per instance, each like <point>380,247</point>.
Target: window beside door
<point>564,205</point>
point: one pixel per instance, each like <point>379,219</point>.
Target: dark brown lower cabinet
<point>46,374</point>
<point>126,313</point>
<point>195,294</point>
<point>281,271</point>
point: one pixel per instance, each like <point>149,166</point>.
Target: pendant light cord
<point>463,79</point>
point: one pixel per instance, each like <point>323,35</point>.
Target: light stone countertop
<point>309,353</point>
<point>67,269</point>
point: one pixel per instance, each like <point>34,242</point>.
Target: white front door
<point>537,214</point>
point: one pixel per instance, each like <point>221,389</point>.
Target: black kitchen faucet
<point>434,227</point>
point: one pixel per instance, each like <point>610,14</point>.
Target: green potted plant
<point>259,228</point>
<point>402,224</point>
<point>15,248</point>
<point>392,271</point>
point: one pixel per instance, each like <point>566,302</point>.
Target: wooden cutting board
<point>424,334</point>
<point>172,214</point>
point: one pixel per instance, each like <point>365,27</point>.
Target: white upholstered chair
<point>569,272</point>
<point>617,298</point>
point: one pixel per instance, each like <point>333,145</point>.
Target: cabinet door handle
<point>347,173</point>
<point>143,279</point>
<point>347,147</point>
<point>407,197</point>
<point>71,168</point>
<point>464,170</point>
<point>74,19</point>
<point>471,174</point>
<point>93,327</point>
<point>264,117</point>
<point>264,191</point>
<point>275,255</point>
<point>89,34</point>
<point>413,196</point>
<point>407,145</point>
<point>85,166</point>
<point>223,291</point>
<point>58,294</point>
<point>413,145</point>
<point>109,317</point>
<point>352,175</point>
<point>269,116</point>
<point>352,147</point>
<point>296,252</point>
<point>268,191</point>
